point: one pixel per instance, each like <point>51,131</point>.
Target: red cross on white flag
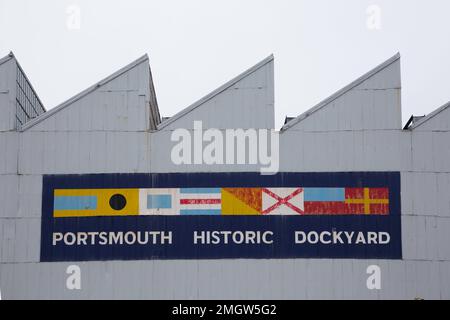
<point>282,201</point>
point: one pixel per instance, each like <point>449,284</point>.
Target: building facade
<point>111,136</point>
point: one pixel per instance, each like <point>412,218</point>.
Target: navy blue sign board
<point>154,216</point>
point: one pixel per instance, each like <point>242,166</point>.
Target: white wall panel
<point>6,110</point>
<point>160,153</point>
<point>442,238</point>
<point>293,159</point>
<point>344,151</point>
<point>441,151</point>
<point>393,279</point>
<point>84,152</point>
<point>443,199</point>
<point>21,240</point>
<point>7,243</point>
<point>444,279</point>
<point>425,238</point>
<point>382,150</point>
<point>422,148</point>
<point>2,220</point>
<point>428,280</point>
<point>425,194</point>
<point>9,196</point>
<point>9,145</point>
<point>221,280</point>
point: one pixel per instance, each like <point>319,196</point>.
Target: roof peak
<point>85,92</point>
<point>216,92</point>
<point>342,91</point>
<point>424,119</point>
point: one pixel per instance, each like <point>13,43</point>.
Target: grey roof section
<point>216,92</point>
<point>341,92</point>
<point>430,116</point>
<point>84,93</point>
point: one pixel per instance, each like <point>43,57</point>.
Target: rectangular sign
<point>221,216</point>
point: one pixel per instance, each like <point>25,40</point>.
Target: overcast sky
<point>195,46</point>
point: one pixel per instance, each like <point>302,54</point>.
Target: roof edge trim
<point>430,116</point>
<point>341,92</point>
<point>408,123</point>
<point>84,93</point>
<point>216,92</point>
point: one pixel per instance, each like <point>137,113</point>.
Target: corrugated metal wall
<point>107,132</point>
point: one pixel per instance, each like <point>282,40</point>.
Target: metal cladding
<point>91,183</point>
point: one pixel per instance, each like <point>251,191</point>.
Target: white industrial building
<point>114,127</point>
